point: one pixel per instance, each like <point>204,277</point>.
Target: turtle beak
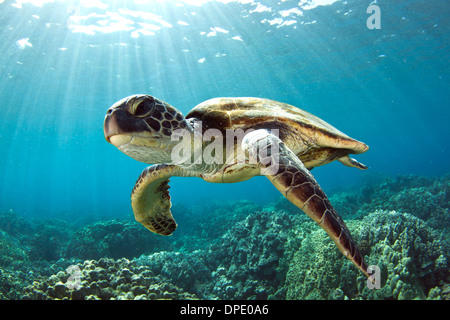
<point>119,129</point>
<point>110,127</point>
<point>114,134</point>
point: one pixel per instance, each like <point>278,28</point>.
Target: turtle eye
<point>143,107</point>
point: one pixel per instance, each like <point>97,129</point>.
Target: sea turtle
<point>231,140</point>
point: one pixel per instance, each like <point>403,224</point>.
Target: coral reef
<point>36,240</point>
<point>113,239</point>
<point>246,260</point>
<point>244,264</point>
<point>10,287</point>
<point>19,275</point>
<point>411,256</point>
<point>53,240</point>
<point>425,198</point>
<point>212,220</point>
<point>105,279</point>
<point>48,240</point>
<point>236,250</point>
<point>10,250</point>
<point>14,224</point>
<point>187,269</point>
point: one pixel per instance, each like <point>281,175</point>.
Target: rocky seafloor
<point>237,250</point>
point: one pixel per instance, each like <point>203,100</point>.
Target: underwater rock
<point>187,270</point>
<point>10,287</point>
<point>243,264</point>
<point>11,251</point>
<point>212,220</point>
<point>122,280</point>
<point>411,256</point>
<point>15,225</point>
<point>346,203</point>
<point>48,241</point>
<point>113,239</point>
<point>424,197</point>
<point>236,251</point>
<point>247,257</point>
<point>315,268</point>
<point>37,240</point>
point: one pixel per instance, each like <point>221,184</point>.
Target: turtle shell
<point>313,140</point>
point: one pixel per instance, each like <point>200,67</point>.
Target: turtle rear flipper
<point>350,162</point>
<point>288,174</point>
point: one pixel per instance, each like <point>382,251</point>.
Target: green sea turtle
<point>231,140</point>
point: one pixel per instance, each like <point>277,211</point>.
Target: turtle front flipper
<point>288,174</point>
<point>150,198</point>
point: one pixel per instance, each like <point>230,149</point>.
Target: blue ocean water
<point>63,63</point>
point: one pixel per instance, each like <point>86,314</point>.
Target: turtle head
<point>141,127</point>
